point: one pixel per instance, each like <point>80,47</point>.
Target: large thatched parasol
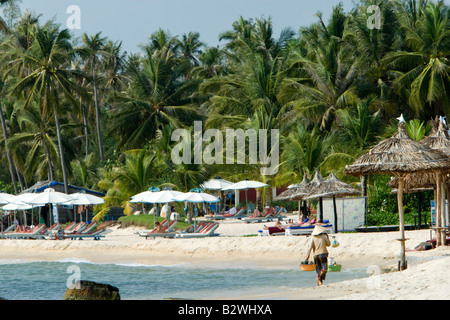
<point>331,188</point>
<point>398,156</point>
<point>296,193</point>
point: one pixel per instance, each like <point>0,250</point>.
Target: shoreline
<point>231,249</point>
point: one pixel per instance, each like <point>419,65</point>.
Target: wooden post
<point>335,215</point>
<point>419,208</point>
<point>402,239</point>
<point>437,205</point>
<point>443,211</point>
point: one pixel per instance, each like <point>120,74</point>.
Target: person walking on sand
<point>319,245</point>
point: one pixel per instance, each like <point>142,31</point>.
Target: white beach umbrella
<point>84,199</point>
<point>164,196</point>
<point>216,184</point>
<point>21,202</point>
<point>18,206</point>
<point>5,198</point>
<point>196,197</point>
<point>138,197</point>
<point>245,185</point>
<point>50,196</point>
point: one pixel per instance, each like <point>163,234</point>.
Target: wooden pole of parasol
<point>402,239</point>
<point>438,210</point>
<point>443,210</point>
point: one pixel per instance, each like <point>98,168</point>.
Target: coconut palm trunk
<point>61,151</point>
<point>8,153</point>
<point>97,111</point>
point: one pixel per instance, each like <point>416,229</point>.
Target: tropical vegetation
<point>85,112</point>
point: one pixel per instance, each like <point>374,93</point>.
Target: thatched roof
<point>439,139</point>
<point>332,187</point>
<point>295,193</point>
<point>399,155</point>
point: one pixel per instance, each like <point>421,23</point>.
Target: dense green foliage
<point>84,112</point>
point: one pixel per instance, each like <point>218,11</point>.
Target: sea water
<point>49,280</point>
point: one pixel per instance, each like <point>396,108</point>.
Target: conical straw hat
<point>318,230</point>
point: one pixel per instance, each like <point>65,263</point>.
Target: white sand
<point>427,276</point>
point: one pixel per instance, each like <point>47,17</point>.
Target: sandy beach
<point>427,276</point>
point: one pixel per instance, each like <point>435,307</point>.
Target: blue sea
<point>49,280</point>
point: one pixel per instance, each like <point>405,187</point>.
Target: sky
<point>132,21</point>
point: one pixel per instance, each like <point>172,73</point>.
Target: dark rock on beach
<point>89,290</point>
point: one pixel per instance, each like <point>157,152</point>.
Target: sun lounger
<point>261,217</point>
<point>239,215</point>
<point>168,226</point>
<point>96,235</point>
<point>36,233</point>
<point>80,226</point>
<point>305,230</point>
<point>204,231</point>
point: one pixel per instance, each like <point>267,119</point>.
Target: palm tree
<point>327,73</point>
<point>92,48</point>
<point>158,95</point>
<point>50,78</point>
<point>423,67</point>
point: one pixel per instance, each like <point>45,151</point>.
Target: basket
<point>308,267</point>
<point>334,268</point>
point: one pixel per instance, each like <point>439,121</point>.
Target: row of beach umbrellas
<point>27,201</point>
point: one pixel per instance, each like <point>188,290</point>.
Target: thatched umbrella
<point>331,188</point>
<point>439,139</point>
<point>296,193</point>
<point>398,156</point>
<point>315,183</point>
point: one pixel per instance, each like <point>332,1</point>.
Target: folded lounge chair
<point>206,230</point>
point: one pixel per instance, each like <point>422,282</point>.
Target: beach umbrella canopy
<point>216,184</point>
<point>18,206</point>
<point>398,156</point>
<point>196,197</point>
<point>6,198</point>
<point>86,199</point>
<point>245,185</point>
<point>164,196</point>
<point>50,196</point>
<point>137,198</point>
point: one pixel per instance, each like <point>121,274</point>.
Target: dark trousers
<point>321,262</point>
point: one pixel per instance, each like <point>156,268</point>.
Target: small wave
<point>74,260</point>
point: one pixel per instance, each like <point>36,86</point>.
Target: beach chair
<point>238,215</point>
<point>96,235</point>
<point>36,233</point>
<point>79,227</point>
<point>168,227</point>
<point>305,230</point>
<point>260,217</point>
<point>206,230</point>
